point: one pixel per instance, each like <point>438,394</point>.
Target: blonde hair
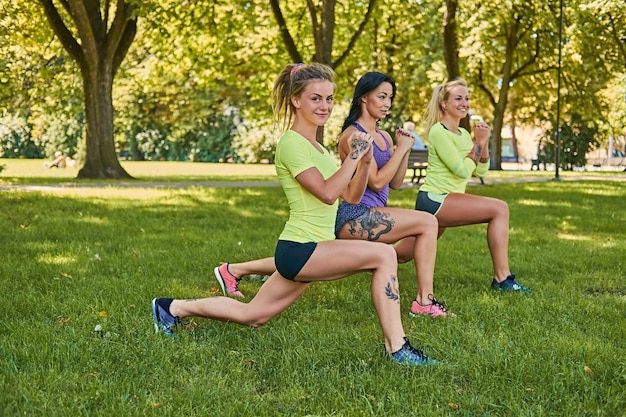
<point>291,82</point>
<point>434,111</point>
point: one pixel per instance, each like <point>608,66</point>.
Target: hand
<point>482,132</point>
<point>360,145</point>
<point>404,140</point>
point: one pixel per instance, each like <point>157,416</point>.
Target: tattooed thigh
<point>371,225</point>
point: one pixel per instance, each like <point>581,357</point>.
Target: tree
<point>322,20</point>
<point>577,138</point>
<point>99,48</point>
<point>507,42</point>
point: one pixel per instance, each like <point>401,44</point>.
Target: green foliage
<point>63,134</point>
<point>16,140</point>
<point>81,259</point>
<point>193,61</point>
<point>577,137</point>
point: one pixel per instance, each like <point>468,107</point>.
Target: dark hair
<point>366,84</point>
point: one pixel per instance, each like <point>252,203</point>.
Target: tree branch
<point>619,42</point>
<point>357,33</point>
<point>284,32</point>
<point>63,33</point>
<point>122,21</point>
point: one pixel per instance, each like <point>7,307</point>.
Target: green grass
<point>32,171</point>
<point>78,258</point>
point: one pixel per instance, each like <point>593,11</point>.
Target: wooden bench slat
<point>418,160</point>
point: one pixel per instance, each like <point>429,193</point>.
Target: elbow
<point>375,186</point>
<point>329,200</point>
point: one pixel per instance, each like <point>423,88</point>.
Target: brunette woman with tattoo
<point>453,157</point>
<point>307,250</point>
<point>413,232</point>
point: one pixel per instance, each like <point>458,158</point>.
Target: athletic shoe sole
<point>216,271</point>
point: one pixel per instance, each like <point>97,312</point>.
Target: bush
<point>16,140</point>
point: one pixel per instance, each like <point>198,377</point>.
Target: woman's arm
<point>394,170</point>
<point>349,181</point>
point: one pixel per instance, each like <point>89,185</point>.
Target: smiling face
<point>378,102</point>
<point>315,104</point>
<point>457,103</point>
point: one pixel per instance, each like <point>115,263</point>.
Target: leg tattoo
<point>367,224</point>
<point>391,290</point>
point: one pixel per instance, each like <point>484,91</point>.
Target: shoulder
<point>343,145</point>
<point>385,134</point>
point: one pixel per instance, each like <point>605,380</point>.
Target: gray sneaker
<point>163,320</point>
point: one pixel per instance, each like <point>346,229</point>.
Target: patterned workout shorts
<point>347,212</point>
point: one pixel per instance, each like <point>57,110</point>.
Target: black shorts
<point>290,257</point>
<point>429,202</point>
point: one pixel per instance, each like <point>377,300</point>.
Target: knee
<point>433,224</point>
<point>502,209</point>
<point>258,322</point>
<point>387,254</point>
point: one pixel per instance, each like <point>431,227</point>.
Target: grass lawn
<point>78,260</point>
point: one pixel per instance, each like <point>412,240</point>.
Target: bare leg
<point>338,258</point>
<point>465,209</point>
<point>263,266</point>
<point>415,232</point>
<point>331,260</point>
<point>274,296</point>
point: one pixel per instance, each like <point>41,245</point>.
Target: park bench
<point>418,160</point>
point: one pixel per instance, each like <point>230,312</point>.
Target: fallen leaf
<point>61,321</point>
<point>588,370</point>
<point>454,406</point>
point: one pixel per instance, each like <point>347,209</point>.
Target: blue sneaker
<point>163,320</point>
<point>509,284</point>
<point>411,356</point>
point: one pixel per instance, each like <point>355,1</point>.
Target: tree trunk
<point>450,46</point>
<point>102,47</point>
<point>451,49</point>
<point>101,159</point>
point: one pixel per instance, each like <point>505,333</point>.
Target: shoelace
<point>408,347</point>
<point>417,352</point>
<point>439,305</point>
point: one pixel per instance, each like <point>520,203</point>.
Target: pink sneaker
<point>228,282</point>
<point>434,309</point>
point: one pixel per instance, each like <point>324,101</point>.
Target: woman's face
<point>315,104</point>
<point>457,104</point>
<point>378,102</point>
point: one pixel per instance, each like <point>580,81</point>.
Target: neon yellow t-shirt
<point>310,220</point>
<point>449,169</point>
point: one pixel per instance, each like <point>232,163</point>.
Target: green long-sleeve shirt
<point>449,168</point>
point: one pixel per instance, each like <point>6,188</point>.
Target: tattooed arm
<point>480,151</point>
<point>351,178</point>
<point>360,149</point>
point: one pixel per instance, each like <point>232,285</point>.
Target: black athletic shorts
<point>290,257</point>
<point>429,202</point>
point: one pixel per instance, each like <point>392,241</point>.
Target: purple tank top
<point>373,198</point>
